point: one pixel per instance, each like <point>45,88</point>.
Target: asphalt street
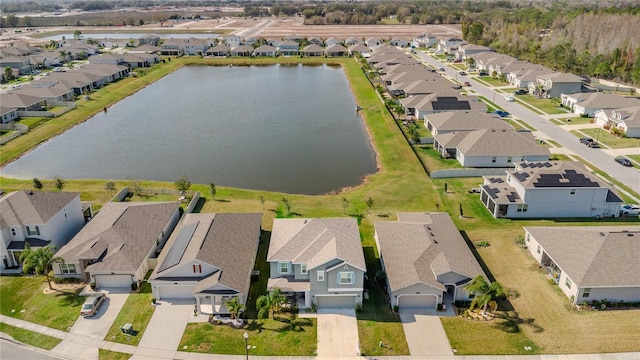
<point>12,351</point>
<point>598,158</point>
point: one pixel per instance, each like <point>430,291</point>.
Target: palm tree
<point>235,307</point>
<point>39,260</point>
<point>486,294</point>
<point>270,303</point>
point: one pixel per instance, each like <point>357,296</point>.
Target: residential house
<point>467,51</point>
<point>219,50</point>
<point>295,38</point>
<point>361,49</point>
<point>172,47</point>
<point>110,73</point>
<point>23,103</point>
<point>589,263</point>
<point>195,46</point>
<point>110,59</point>
<point>426,260</point>
<point>352,41</point>
<point>554,84</point>
<point>114,248</point>
<point>47,91</point>
<point>487,148</point>
<point>317,261</point>
<point>149,39</point>
<point>525,74</point>
<point>586,104</point>
<point>336,50</point>
<point>425,40</point>
<point>8,114</point>
<point>316,41</point>
<point>549,189</point>
<point>289,48</point>
<point>37,218</point>
<point>242,50</point>
<point>20,63</point>
<point>441,101</point>
<point>147,48</point>
<point>81,82</point>
<point>625,119</point>
<point>450,45</point>
<point>251,41</point>
<point>490,61</point>
<point>211,257</point>
<point>265,50</point>
<point>274,42</point>
<point>373,42</point>
<point>135,61</point>
<point>332,41</point>
<point>462,120</point>
<point>232,40</point>
<point>399,42</point>
<point>313,50</point>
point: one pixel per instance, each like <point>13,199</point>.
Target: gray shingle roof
<point>32,207</point>
<point>465,120</point>
<point>316,241</point>
<point>593,256</point>
<point>500,142</point>
<point>422,246</point>
<point>120,235</point>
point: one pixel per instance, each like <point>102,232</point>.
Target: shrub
<point>93,286</point>
<point>396,308</point>
<point>358,308</point>
<point>134,286</point>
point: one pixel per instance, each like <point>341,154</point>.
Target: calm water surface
<point>279,128</point>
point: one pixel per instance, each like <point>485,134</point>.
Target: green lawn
<point>32,122</point>
<point>473,337</point>
<point>634,157</point>
<point>574,121</point>
<point>285,336</point>
<point>491,81</point>
<point>432,159</point>
<point>545,105</point>
<point>605,137</point>
<point>23,298</point>
<point>29,337</point>
<point>137,310</point>
<point>112,355</point>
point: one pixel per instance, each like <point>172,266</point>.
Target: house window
<point>197,268</point>
<point>284,267</point>
<point>586,292</point>
<point>538,251</point>
<point>346,278</point>
<point>320,275</point>
<point>68,268</point>
<point>303,269</point>
<point>568,283</point>
<point>522,208</point>
<point>13,232</point>
<point>573,191</point>
<point>493,159</point>
<point>33,230</point>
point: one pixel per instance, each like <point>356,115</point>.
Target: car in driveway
<point>92,305</point>
<point>623,161</point>
<point>509,98</point>
<point>500,113</point>
<point>520,92</point>
<point>630,209</point>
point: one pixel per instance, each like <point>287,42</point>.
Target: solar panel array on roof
<point>570,178</point>
<point>545,164</point>
<point>496,180</point>
<point>493,192</point>
<point>179,246</point>
<point>513,196</point>
<point>522,176</point>
<point>450,103</point>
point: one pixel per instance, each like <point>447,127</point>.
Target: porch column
<point>198,303</point>
<point>307,299</point>
<point>213,304</point>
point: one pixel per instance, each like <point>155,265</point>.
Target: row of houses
<point>210,257</point>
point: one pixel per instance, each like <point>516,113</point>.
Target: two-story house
<point>289,48</point>
<point>317,261</point>
<point>554,84</point>
<point>210,257</point>
<point>37,218</point>
<point>549,189</point>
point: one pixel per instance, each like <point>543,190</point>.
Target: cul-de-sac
<point>320,179</point>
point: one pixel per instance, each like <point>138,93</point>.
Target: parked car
<point>440,68</point>
<point>457,87</point>
<point>483,73</point>
<point>586,140</point>
<point>509,98</point>
<point>630,209</point>
<point>520,92</point>
<point>462,73</point>
<point>500,113</point>
<point>466,83</point>
<point>92,304</point>
<point>623,161</point>
<point>593,144</point>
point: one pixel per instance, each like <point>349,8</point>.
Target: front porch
<point>552,270</point>
<point>214,304</point>
<point>297,291</point>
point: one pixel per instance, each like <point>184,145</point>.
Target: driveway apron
<point>98,326</point>
<point>166,326</point>
<point>424,333</point>
<point>337,333</point>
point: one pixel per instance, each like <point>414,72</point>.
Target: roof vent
<point>601,234</point>
<point>30,192</point>
<point>630,234</point>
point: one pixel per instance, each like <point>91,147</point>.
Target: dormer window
<point>303,269</point>
<point>284,267</point>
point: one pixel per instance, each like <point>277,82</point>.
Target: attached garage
<point>417,301</point>
<point>113,280</point>
<point>336,301</point>
<point>175,291</point>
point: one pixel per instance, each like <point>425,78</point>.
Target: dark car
<point>457,87</point>
<point>500,113</point>
<point>593,144</point>
<point>520,92</point>
<point>586,140</point>
<point>624,161</point>
<point>462,73</point>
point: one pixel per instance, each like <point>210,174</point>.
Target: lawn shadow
<point>223,200</point>
<point>255,325</point>
<point>69,298</point>
<point>510,322</point>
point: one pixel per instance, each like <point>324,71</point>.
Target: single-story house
<point>586,104</point>
<point>313,50</point>
<point>497,148</point>
<point>589,263</point>
<point>114,249</point>
<point>625,119</point>
<point>210,257</point>
<point>336,50</point>
<point>426,260</point>
<point>317,261</point>
<point>265,50</point>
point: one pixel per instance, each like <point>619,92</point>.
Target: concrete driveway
<point>165,329</point>
<point>424,333</point>
<point>337,333</point>
<point>98,326</point>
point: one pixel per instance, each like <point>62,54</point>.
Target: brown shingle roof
<point>32,207</point>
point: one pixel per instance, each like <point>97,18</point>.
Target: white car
<point>630,209</point>
<point>509,98</point>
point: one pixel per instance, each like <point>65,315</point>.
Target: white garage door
<point>175,292</point>
<point>417,301</point>
<point>118,280</point>
<point>348,301</point>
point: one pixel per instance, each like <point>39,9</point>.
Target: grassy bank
<point>29,337</point>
